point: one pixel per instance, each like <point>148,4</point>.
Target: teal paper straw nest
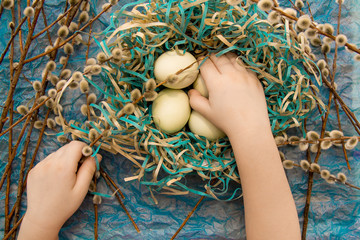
<point>165,162</point>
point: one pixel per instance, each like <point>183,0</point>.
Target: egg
<point>203,127</point>
<point>171,110</point>
<point>169,63</point>
<point>199,85</point>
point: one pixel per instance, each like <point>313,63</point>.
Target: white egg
<point>203,127</point>
<point>199,85</point>
<point>171,62</point>
<point>171,110</point>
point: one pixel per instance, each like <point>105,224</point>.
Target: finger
<point>85,175</point>
<point>222,63</point>
<point>236,61</point>
<point>199,103</point>
<point>209,72</point>
<point>72,153</point>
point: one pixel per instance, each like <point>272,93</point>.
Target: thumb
<point>199,103</point>
<point>85,174</point>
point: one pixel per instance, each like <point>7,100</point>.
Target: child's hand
<point>55,190</point>
<point>236,98</point>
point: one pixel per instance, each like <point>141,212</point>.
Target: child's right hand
<point>236,98</point>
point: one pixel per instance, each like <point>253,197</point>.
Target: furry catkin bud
<point>315,167</point>
<point>325,145</point>
<point>91,98</point>
<point>97,199</point>
<point>325,72</point>
<point>73,2</point>
<point>101,57</point>
<point>62,138</point>
<point>325,48</point>
<point>60,84</point>
<point>63,32</point>
<point>279,140</point>
<point>116,53</point>
<point>327,40</point>
<point>41,99</point>
<point>105,6</point>
<point>315,41</point>
<point>305,165</point>
<point>50,103</point>
<point>274,17</point>
<point>304,22</point>
<point>65,74</point>
<point>288,164</point>
<point>73,27</point>
<point>11,25</point>
<point>57,120</point>
<point>265,5</point>
<point>312,136</point>
<point>73,85</point>
<point>52,93</point>
<point>38,124</point>
<point>357,58</point>
<point>85,6</point>
<point>321,64</point>
<point>331,179</point>
<point>282,156</point>
<point>84,86</point>
<point>90,61</point>
<point>87,151</point>
<point>68,49</point>
<point>314,148</point>
<point>294,139</point>
<point>63,60</point>
<point>77,76</point>
<point>351,143</point>
<point>290,11</point>
<point>96,69</point>
<point>22,109</point>
<point>37,85</point>
<point>150,85</point>
<point>93,134</point>
<point>310,33</point>
<point>150,96</point>
<point>113,2</point>
<point>84,17</point>
<point>7,4</point>
<point>325,174</point>
<point>29,11</point>
<point>57,109</point>
<point>328,28</point>
<point>303,146</point>
<point>342,177</point>
<point>135,94</point>
<point>84,109</point>
<point>50,123</point>
<point>129,109</point>
<point>78,39</point>
<point>341,40</point>
<point>50,66</point>
<point>299,4</point>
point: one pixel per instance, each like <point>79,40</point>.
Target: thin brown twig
<point>70,38</point>
<point>46,24</point>
<point>187,218</point>
<point>13,229</point>
<point>53,23</point>
<point>119,200</point>
<point>19,69</point>
<point>96,222</point>
<point>105,175</point>
<point>7,195</point>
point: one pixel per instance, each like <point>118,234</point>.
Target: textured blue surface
<point>334,210</point>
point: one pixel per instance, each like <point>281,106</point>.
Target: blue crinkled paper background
<point>334,210</point>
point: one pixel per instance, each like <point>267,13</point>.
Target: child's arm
<point>55,190</point>
<point>237,105</point>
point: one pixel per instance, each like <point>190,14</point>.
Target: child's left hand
<point>55,190</point>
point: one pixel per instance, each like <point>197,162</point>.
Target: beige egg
<point>171,110</point>
<point>199,85</point>
<point>169,63</point>
<point>203,127</point>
